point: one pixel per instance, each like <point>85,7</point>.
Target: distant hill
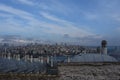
<point>18,40</point>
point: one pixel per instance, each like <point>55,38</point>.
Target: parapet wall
<point>89,71</point>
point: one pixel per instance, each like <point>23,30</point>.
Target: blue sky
<point>83,21</point>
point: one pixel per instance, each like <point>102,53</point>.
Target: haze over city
<point>84,21</point>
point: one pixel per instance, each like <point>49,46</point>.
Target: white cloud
<point>118,29</point>
<point>53,18</point>
<point>5,15</point>
<point>35,26</point>
<point>56,6</point>
<point>115,16</point>
<point>65,27</point>
<point>14,11</point>
<point>28,2</point>
<point>13,24</point>
<point>19,13</point>
<point>91,16</point>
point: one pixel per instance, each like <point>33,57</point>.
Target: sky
<point>86,22</point>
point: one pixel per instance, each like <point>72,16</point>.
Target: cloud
<point>115,16</point>
<point>65,27</point>
<point>28,2</point>
<point>56,6</point>
<point>14,24</point>
<point>91,16</point>
<point>14,11</point>
<point>50,17</point>
<point>118,29</point>
<point>5,15</point>
<point>19,13</point>
<point>102,9</point>
<point>36,27</point>
<point>53,18</point>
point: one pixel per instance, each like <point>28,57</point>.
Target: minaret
<point>103,47</point>
<point>85,51</point>
<point>26,57</point>
<point>48,59</point>
<point>9,56</point>
<point>68,59</point>
<point>31,58</point>
<point>5,54</point>
<point>14,56</point>
<point>51,61</point>
<point>18,57</point>
<point>1,55</point>
<point>5,50</point>
<point>41,60</point>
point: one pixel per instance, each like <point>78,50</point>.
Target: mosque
<point>29,65</point>
<point>93,57</point>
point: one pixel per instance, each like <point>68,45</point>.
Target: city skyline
<point>84,21</point>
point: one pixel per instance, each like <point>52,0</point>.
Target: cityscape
<point>59,40</point>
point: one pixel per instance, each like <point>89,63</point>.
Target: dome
<point>104,43</point>
<point>92,58</point>
<point>7,65</point>
<point>21,66</point>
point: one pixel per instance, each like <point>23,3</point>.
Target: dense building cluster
<point>47,49</point>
